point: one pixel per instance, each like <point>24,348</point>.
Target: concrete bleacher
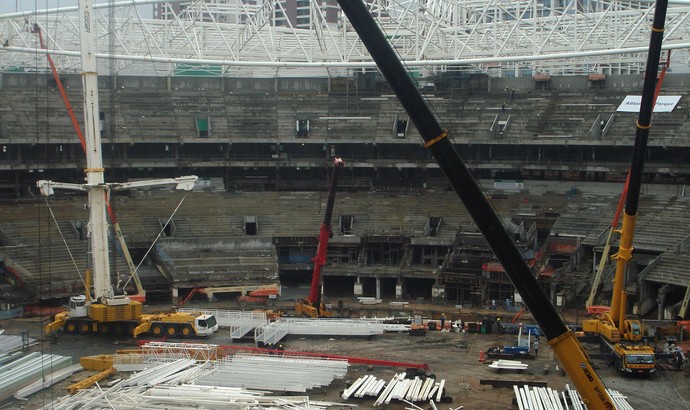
<point>148,116</point>
<point>45,255</point>
<point>670,268</point>
<point>264,118</point>
<point>209,245</point>
<point>166,115</point>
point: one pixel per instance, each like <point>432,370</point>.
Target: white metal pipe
<point>358,64</point>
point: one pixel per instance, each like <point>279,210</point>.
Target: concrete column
<point>398,290</point>
<point>358,288</point>
<point>175,296</point>
<point>378,288</point>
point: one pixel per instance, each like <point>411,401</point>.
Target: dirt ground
<point>453,357</point>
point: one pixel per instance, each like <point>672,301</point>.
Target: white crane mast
<point>95,185</point>
<point>95,182</point>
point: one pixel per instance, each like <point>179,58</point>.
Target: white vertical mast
<point>98,229</point>
<point>95,184</point>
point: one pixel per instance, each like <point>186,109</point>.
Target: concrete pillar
<point>358,288</point>
<point>175,296</point>
<point>398,290</point>
<point>378,288</point>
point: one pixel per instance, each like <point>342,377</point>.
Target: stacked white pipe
<point>398,388</point>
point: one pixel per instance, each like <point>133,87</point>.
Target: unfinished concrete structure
<point>247,136</point>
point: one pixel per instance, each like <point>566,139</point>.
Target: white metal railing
<point>271,332</point>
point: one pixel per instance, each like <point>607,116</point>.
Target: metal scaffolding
<point>496,37</point>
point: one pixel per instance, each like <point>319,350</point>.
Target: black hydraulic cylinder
<point>459,176</point>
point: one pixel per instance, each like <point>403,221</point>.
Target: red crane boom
<point>311,306</point>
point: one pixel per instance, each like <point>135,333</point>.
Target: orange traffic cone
<point>481,356</point>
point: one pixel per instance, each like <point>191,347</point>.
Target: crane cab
<point>205,325</point>
<point>77,306</point>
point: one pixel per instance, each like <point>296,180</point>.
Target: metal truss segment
<point>500,37</point>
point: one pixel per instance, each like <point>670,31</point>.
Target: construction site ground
<point>451,356</point>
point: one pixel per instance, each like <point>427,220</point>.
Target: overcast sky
<point>10,6</point>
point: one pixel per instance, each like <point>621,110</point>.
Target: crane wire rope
<point>69,251</point>
<point>160,233</point>
<point>40,231</point>
<point>675,389</point>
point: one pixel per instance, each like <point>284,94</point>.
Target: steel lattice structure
<point>498,37</point>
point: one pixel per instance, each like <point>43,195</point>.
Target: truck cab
<point>77,306</point>
<point>206,325</point>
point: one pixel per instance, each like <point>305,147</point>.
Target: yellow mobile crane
<point>621,337</point>
<point>106,311</point>
<point>574,359</point>
<point>141,292</point>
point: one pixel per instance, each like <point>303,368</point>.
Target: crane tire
<point>186,331</point>
<point>85,328</point>
<point>71,327</point>
<point>171,330</point>
<point>157,330</point>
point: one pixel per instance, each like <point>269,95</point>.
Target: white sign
<point>664,103</point>
<point>509,185</point>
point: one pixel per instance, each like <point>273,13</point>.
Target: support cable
<point>160,233</point>
<point>74,262</point>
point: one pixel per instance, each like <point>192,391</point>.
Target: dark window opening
<point>346,224</point>
<point>169,229</point>
<point>250,225</point>
<point>203,126</point>
<point>433,223</point>
<point>400,128</point>
<point>302,127</point>
<point>80,230</point>
<point>101,122</point>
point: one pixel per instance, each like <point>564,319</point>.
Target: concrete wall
<point>633,83</point>
<point>231,244</point>
<point>534,187</point>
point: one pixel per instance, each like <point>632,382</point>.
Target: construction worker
<point>535,346</point>
<point>443,321</point>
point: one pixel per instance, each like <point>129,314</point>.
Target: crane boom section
<point>95,181</point>
<point>639,151</point>
<point>572,356</point>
